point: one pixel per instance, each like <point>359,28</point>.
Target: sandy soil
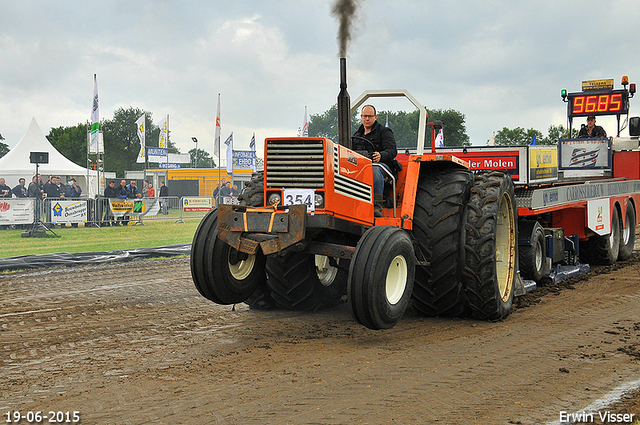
<point>135,343</point>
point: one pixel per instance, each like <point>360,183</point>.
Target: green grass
<point>91,239</point>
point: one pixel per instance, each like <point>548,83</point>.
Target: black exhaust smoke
<point>344,107</point>
<point>344,11</point>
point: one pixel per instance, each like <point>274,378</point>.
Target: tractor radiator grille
<point>295,164</point>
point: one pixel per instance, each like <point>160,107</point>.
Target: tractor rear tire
<point>221,273</point>
<point>297,282</point>
<point>438,228</point>
<point>381,277</point>
<point>628,236</point>
<point>603,249</point>
<point>491,246</point>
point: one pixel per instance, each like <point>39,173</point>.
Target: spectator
<point>55,190</point>
<point>145,189</point>
<point>234,191</point>
<point>164,193</point>
<point>225,191</point>
<point>133,190</point>
<point>122,194</point>
<point>5,191</point>
<point>110,192</point>
<point>73,190</point>
<point>48,182</point>
<point>36,188</point>
<point>151,192</point>
<point>21,189</point>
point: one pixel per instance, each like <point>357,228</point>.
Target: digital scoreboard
<point>613,102</point>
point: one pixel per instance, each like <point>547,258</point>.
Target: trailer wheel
<point>221,273</point>
<point>305,282</point>
<point>438,228</point>
<point>381,277</point>
<point>491,248</point>
<point>628,236</point>
<point>532,257</point>
<point>603,249</point>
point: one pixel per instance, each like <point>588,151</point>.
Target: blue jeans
<point>378,177</point>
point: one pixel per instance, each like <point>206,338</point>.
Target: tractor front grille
<point>295,164</point>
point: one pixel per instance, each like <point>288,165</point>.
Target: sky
<point>500,63</point>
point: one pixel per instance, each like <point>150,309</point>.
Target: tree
<point>517,136</point>
<point>205,160</point>
<point>557,132</point>
<point>4,148</point>
<point>326,124</point>
<point>71,142</point>
<point>403,124</point>
<point>121,143</point>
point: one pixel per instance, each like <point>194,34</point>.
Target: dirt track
<point>135,343</point>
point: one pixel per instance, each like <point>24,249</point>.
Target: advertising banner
<point>543,163</point>
<point>135,207</point>
<point>196,204</point>
<point>157,154</point>
<point>511,159</point>
<point>584,154</point>
<point>17,211</point>
<point>244,158</point>
<point>68,211</point>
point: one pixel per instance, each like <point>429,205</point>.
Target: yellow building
<point>207,178</point>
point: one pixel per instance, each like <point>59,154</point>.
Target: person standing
<point>5,191</point>
<point>164,194</point>
<point>122,194</point>
<point>134,193</point>
<point>21,189</point>
<point>36,188</point>
<point>73,190</point>
<point>380,143</point>
<point>151,192</point>
<point>54,190</point>
<point>110,192</point>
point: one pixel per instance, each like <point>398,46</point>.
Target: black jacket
<point>382,140</point>
<point>111,192</point>
<point>596,132</point>
<point>20,191</point>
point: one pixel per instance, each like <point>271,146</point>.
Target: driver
<point>591,129</point>
<point>382,146</point>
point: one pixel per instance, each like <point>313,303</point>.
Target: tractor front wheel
<point>381,277</point>
<point>221,273</point>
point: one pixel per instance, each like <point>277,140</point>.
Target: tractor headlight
<point>318,200</point>
<point>274,199</point>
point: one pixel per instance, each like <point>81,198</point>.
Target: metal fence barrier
<point>65,212</point>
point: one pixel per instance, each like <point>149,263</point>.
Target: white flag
<point>440,140</point>
<point>216,138</point>
<point>229,143</point>
<point>492,141</point>
<point>252,146</point>
<point>305,125</point>
<point>95,119</point>
<point>140,127</point>
<point>164,132</point>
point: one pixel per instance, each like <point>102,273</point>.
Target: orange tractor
<point>306,236</point>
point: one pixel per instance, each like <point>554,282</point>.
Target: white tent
<point>16,163</point>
